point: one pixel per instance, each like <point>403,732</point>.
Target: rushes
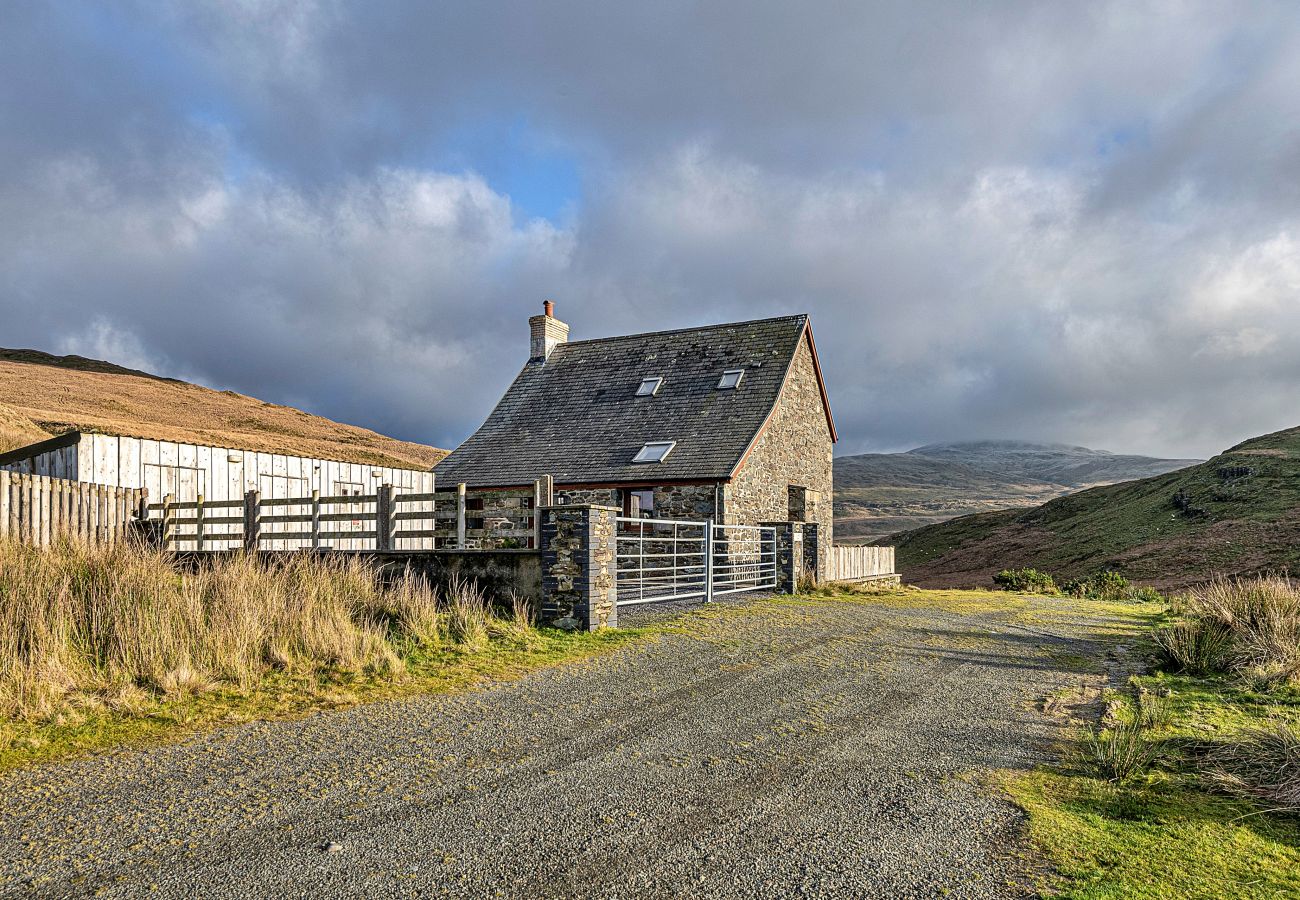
<point>83,625</point>
<point>1247,627</point>
<point>1118,753</point>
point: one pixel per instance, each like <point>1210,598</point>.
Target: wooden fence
<point>386,520</point>
<point>39,509</point>
<point>859,564</point>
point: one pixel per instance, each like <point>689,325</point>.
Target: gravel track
<point>819,749</point>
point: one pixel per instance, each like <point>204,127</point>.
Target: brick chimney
<point>545,333</point>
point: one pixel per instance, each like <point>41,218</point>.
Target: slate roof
<point>576,417</point>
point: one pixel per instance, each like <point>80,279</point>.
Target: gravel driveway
<point>813,748</point>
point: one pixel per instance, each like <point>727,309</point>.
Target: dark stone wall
<point>499,574</point>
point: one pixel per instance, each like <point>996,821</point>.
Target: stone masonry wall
<point>795,449</point>
<point>694,502</point>
<point>578,567</point>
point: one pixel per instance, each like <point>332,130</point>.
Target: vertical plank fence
<point>38,509</point>
<point>859,563</point>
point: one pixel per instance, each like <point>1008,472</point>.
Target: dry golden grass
<point>1251,626</point>
<point>85,626</point>
<point>46,395</point>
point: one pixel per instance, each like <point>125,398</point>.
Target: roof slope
<point>576,417</point>
<point>46,395</point>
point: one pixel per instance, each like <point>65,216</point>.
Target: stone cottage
<point>729,422</point>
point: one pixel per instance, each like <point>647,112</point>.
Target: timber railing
<point>386,520</point>
<point>39,509</point>
<point>859,564</point>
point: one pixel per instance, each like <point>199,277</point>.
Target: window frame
<point>668,448</point>
<point>658,381</point>
<point>722,382</point>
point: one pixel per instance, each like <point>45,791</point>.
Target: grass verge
<point>106,647</point>
<point>281,695</point>
<point>1169,833</point>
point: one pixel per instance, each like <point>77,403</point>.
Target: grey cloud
<point>1076,222</point>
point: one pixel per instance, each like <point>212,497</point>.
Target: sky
<point>1072,222</point>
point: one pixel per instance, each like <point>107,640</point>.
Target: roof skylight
<point>731,379</point>
<point>654,451</point>
<point>650,386</point>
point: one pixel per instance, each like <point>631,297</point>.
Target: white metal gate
<point>671,559</point>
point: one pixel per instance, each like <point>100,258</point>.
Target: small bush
<point>1026,581</point>
<point>1118,753</point>
<point>1262,764</point>
<point>1111,586</point>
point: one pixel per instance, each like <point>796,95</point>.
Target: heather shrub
<point>1026,581</point>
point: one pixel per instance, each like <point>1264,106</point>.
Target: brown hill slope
<point>1235,514</point>
<point>43,395</point>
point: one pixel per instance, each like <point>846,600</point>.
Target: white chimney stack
<point>545,333</point>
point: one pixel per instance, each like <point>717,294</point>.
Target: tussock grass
<point>1119,753</point>
<point>90,627</point>
<point>1245,627</point>
<point>1261,764</point>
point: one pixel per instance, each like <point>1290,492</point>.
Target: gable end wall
<point>794,449</point>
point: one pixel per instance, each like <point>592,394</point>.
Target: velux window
<point>654,451</point>
<point>650,386</point>
<point>731,379</point>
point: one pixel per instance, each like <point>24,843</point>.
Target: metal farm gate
<point>670,559</point>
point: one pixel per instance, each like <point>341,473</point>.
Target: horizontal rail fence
<point>744,559</point>
<point>859,563</point>
<point>672,559</point>
<point>661,559</point>
<point>385,520</point>
<point>491,519</point>
<point>39,509</point>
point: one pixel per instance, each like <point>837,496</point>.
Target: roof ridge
<point>641,334</point>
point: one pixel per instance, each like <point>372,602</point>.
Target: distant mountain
<point>1050,463</point>
<point>1236,514</point>
<point>880,493</point>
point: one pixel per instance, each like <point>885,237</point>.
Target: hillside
<point>1235,514</point>
<point>881,493</point>
<point>42,395</point>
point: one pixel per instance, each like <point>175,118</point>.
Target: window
<point>731,379</point>
<point>639,504</point>
<point>654,451</point>
<point>649,386</point>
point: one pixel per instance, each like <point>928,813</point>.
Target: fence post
<point>384,517</point>
<point>460,516</point>
<point>4,502</point>
<point>708,560</point>
<point>167,522</point>
<point>198,523</point>
<point>315,520</point>
<point>252,519</point>
<point>541,497</point>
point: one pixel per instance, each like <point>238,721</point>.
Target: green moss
<point>1168,835</point>
<point>1164,842</point>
